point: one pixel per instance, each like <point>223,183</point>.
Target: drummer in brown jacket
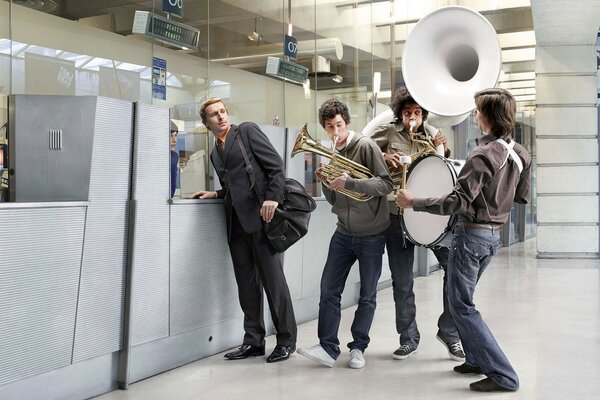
<point>395,140</point>
<point>496,174</point>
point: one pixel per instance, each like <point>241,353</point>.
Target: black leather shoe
<point>468,369</point>
<point>281,353</point>
<point>488,385</point>
<point>245,351</point>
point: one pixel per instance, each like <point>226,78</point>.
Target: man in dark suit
<point>255,263</point>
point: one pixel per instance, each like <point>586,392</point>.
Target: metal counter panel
<point>150,262</point>
<point>100,312</point>
<point>203,287</point>
<point>40,258</point>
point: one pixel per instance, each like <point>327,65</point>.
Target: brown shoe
<point>488,385</point>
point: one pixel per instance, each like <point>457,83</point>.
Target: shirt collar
<point>221,140</point>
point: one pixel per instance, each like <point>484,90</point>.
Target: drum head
<point>430,176</point>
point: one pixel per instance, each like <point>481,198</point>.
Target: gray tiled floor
<point>544,313</point>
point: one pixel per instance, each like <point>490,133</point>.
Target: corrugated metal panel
<point>40,255</point>
<point>100,312</point>
<point>203,287</point>
<point>150,281</point>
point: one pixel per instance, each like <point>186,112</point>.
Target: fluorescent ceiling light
<point>530,97</point>
<point>9,47</point>
<point>517,39</point>
<point>517,84</point>
<point>524,91</point>
<point>515,55</point>
<point>516,76</point>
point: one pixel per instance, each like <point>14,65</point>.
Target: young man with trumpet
<point>409,136</point>
<point>496,173</point>
<point>360,233</point>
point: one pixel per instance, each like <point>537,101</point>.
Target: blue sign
<point>290,47</point>
<point>173,7</point>
<point>159,78</point>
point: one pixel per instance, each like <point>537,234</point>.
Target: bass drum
<point>431,176</point>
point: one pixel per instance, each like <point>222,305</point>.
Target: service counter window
<point>190,163</point>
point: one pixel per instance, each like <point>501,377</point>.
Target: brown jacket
<point>485,189</point>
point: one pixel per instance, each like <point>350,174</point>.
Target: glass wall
<point>89,48</point>
<point>94,48</point>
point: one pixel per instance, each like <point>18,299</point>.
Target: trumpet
<point>338,165</point>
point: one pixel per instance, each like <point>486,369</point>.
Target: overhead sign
<point>165,30</point>
<point>173,7</point>
<point>290,48</point>
<point>286,70</point>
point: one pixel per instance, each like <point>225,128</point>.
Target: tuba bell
<point>450,54</point>
<point>338,165</point>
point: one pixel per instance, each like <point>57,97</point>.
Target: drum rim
<point>451,222</point>
<point>418,160</point>
<point>453,217</point>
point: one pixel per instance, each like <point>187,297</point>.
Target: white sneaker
<point>318,354</point>
<point>357,360</point>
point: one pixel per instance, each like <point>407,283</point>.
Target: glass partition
<point>90,48</point>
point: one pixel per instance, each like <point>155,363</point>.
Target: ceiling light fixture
<point>254,36</point>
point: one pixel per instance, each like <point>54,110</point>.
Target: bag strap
<point>511,153</point>
<point>249,168</point>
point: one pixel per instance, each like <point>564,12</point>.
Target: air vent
<point>55,139</point>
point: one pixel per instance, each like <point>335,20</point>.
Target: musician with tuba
<point>360,234</point>
<point>408,135</point>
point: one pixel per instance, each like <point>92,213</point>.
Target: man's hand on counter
<point>203,195</point>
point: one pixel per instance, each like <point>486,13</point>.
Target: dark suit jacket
<point>237,192</point>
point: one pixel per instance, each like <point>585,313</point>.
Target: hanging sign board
<point>290,47</point>
<point>173,7</point>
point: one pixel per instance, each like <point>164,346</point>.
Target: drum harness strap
<point>511,153</point>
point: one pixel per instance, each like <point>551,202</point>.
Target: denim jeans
<point>470,254</point>
<point>401,255</point>
<point>344,250</point>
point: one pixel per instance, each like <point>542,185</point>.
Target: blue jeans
<point>344,250</point>
<point>401,255</point>
<point>470,254</point>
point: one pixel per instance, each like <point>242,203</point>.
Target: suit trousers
<point>256,266</point>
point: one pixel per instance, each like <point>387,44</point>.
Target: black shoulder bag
<point>290,221</point>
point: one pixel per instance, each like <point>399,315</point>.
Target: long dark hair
<point>499,109</point>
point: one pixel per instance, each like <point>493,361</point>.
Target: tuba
<point>338,165</point>
<point>451,53</point>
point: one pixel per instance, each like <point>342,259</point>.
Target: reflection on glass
<point>191,149</point>
<point>3,160</point>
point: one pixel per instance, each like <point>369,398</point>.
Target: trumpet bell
<point>451,54</point>
<point>338,165</point>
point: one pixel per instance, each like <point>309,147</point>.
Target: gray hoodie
<point>363,218</point>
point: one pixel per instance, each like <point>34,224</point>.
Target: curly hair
<point>400,99</point>
<point>331,108</point>
<point>499,109</point>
